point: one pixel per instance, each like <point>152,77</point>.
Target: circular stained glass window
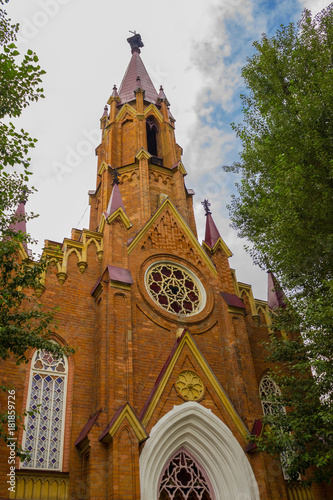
<point>175,288</point>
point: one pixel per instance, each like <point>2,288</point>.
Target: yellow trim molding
<point>103,166</point>
<point>243,287</point>
<point>143,154</point>
<point>190,343</point>
<point>47,485</point>
<point>167,204</point>
<point>127,413</point>
<point>157,113</point>
<point>125,109</point>
<point>220,243</point>
<point>117,213</point>
<point>181,168</point>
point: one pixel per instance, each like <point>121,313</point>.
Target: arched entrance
<point>210,444</point>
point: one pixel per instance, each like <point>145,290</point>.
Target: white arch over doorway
<point>197,429</point>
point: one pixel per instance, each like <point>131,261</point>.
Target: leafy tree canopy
<point>285,209</point>
<point>23,322</point>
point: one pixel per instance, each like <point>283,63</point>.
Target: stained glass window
<point>174,288</point>
<point>44,428</point>
<point>183,479</point>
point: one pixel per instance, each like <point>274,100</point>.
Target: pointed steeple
<point>162,97</point>
<point>135,70</point>
<point>275,296</point>
<point>19,224</point>
<point>115,201</point>
<point>212,233</point>
<point>105,113</point>
<point>115,92</point>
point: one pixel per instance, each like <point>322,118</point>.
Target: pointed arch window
<point>152,131</point>
<point>268,390</point>
<point>44,428</point>
<point>184,479</point>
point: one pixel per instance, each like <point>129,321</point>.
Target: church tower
<point>161,397</point>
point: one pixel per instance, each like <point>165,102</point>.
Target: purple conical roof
<point>115,201</point>
<point>212,233</point>
<point>136,69</point>
<point>20,223</point>
<point>275,296</point>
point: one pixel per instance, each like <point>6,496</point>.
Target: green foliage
<point>24,323</point>
<point>285,209</point>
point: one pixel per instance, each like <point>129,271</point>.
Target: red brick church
<point>162,394</point>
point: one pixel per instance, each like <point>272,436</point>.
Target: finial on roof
<point>115,92</point>
<point>162,96</point>
<point>206,206</point>
<point>211,233</point>
<point>115,174</point>
<point>105,111</point>
<point>135,42</point>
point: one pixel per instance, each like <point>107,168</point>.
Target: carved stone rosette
<point>190,386</point>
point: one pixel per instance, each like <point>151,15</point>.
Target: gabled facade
<point>162,394</point>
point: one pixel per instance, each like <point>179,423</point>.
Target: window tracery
<point>183,479</point>
<point>44,427</point>
<point>174,288</point>
<point>268,389</point>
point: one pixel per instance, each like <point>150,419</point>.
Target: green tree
<point>23,322</point>
<point>284,208</point>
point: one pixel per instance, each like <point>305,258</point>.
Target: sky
<point>194,48</point>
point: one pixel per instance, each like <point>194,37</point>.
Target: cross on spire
<point>206,206</point>
<point>115,174</point>
<point>135,42</point>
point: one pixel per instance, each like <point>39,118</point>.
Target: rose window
<point>183,479</point>
<point>174,288</point>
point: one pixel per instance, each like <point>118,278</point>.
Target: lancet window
<point>184,479</point>
<point>152,131</point>
<point>44,427</point>
<point>268,389</point>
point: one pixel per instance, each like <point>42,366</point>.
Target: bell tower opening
<point>152,131</point>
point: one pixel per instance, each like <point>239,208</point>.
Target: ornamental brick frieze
<point>169,236</point>
<point>160,178</point>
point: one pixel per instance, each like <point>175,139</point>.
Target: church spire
<point>212,233</point>
<point>19,224</point>
<point>136,70</point>
<point>275,296</point>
